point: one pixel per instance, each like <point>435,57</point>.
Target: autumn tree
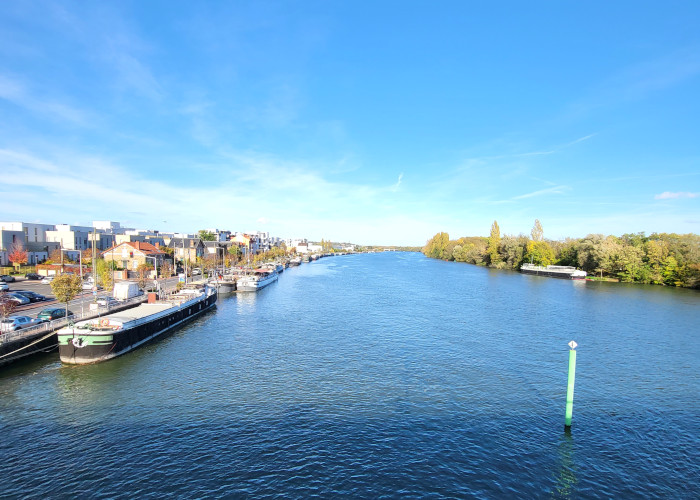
<point>7,306</point>
<point>17,254</point>
<point>166,270</point>
<point>537,234</point>
<point>54,256</point>
<point>234,254</point>
<point>65,287</point>
<point>143,270</point>
<point>103,273</point>
<point>494,245</point>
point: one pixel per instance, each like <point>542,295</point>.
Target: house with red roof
<point>130,255</point>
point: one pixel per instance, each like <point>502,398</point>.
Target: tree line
<point>660,258</point>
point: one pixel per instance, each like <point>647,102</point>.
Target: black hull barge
<point>101,339</point>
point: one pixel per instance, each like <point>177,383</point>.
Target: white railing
<point>61,322</point>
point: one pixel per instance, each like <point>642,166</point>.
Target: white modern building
<point>33,232</point>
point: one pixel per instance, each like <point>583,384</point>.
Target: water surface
<point>376,375</point>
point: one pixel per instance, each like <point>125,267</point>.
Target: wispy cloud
<point>18,93</point>
<point>396,186</point>
<point>541,192</point>
<point>667,195</point>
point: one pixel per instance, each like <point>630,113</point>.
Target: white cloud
<point>667,195</point>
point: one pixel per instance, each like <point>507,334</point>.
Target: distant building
<point>186,249</point>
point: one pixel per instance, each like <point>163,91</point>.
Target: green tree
<point>540,253</point>
<point>630,263</point>
<point>494,244</point>
<point>436,247</point>
<point>670,271</point>
<point>205,235</point>
<point>656,252</point>
<point>513,249</point>
<point>65,287</point>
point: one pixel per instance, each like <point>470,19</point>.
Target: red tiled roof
<point>144,247</point>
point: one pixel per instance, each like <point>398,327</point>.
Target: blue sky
<point>371,122</point>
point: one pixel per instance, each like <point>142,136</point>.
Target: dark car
<point>7,278</point>
<point>32,296</point>
<point>18,299</point>
<point>33,276</point>
<point>53,313</point>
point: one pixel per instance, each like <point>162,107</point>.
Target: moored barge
<point>100,339</point>
<point>564,272</point>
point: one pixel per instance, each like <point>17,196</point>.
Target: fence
<point>60,323</point>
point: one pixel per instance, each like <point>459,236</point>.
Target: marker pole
<point>570,387</point>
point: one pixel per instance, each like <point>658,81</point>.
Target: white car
<point>13,323</point>
<point>4,286</point>
<point>107,301</point>
<point>89,285</point>
<point>47,280</point>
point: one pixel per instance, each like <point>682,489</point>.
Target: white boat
<point>256,281</point>
<point>565,272</point>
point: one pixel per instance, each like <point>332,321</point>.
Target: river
<point>376,375</point>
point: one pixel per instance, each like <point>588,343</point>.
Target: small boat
<point>100,339</point>
<point>256,281</point>
<point>295,262</point>
<point>564,272</point>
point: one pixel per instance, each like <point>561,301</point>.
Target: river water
<point>376,375</point>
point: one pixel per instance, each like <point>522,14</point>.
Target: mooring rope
<point>28,345</point>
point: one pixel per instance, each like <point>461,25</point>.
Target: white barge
<point>564,272</point>
<point>256,281</point>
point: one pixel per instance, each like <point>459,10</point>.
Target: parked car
<point>14,323</point>
<point>7,278</point>
<point>196,271</point>
<point>89,285</point>
<point>32,276</point>
<point>19,299</point>
<point>32,296</point>
<point>47,280</point>
<point>52,313</point>
<point>107,301</point>
<point>4,286</point>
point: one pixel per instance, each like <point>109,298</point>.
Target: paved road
<point>76,305</point>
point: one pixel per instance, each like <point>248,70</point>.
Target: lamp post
<point>155,262</point>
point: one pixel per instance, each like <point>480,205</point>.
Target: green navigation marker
<point>570,387</point>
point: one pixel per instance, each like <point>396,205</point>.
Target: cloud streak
<point>667,195</point>
<point>16,92</point>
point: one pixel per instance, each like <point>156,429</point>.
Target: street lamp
<point>80,255</point>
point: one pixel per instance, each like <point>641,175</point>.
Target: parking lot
<point>81,301</point>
